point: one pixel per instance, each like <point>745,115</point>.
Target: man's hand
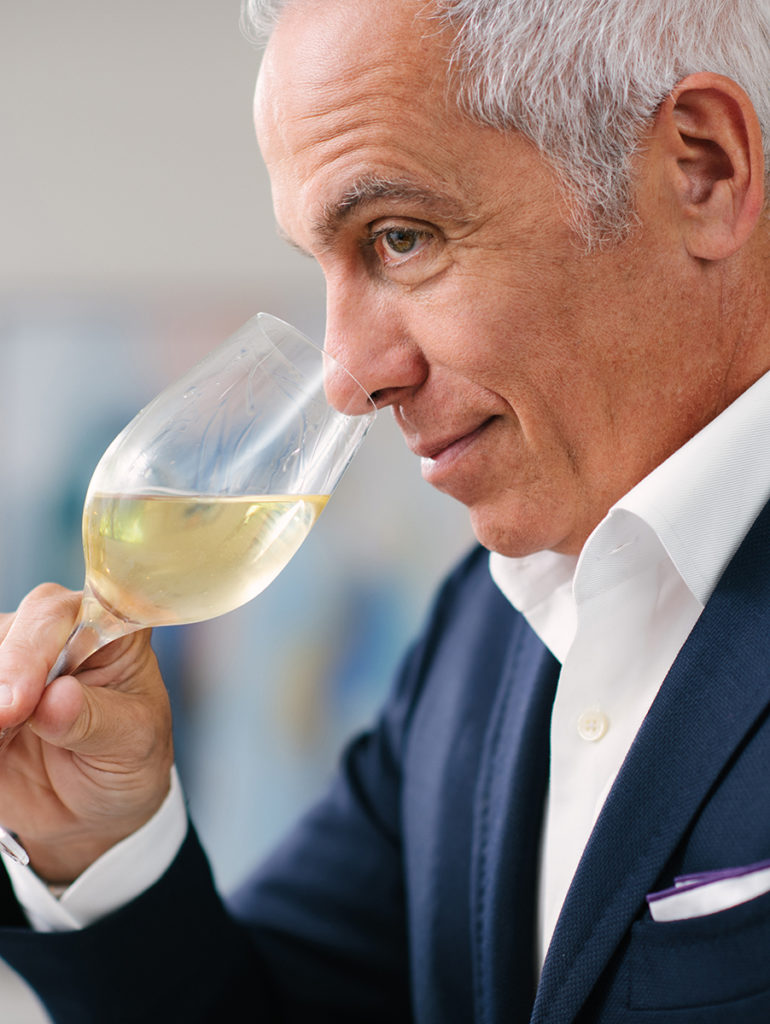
<point>92,763</point>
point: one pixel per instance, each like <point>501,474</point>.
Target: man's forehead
<point>338,145</point>
<point>321,46</point>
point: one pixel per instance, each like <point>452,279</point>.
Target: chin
<point>514,534</point>
<point>506,538</point>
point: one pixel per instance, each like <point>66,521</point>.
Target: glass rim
<point>262,317</point>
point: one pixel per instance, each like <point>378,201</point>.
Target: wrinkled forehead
<point>346,94</point>
<point>324,54</point>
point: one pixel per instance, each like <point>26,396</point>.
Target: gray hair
<point>582,78</point>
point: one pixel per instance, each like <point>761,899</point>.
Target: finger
<point>30,646</point>
<point>103,723</point>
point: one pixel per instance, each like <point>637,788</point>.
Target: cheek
<point>559,412</point>
<point>510,316</point>
<point>517,354</point>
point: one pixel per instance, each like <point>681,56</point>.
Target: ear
<point>711,143</point>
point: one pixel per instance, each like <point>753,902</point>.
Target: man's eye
<point>394,245</point>
<point>401,240</point>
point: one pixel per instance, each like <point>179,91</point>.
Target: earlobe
<point>714,157</point>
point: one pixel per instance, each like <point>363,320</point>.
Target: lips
<point>437,449</point>
<point>439,456</point>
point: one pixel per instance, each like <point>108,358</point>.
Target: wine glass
<point>205,496</point>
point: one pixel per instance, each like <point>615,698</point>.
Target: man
<point>543,234</point>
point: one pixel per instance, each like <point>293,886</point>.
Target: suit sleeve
<point>318,933</point>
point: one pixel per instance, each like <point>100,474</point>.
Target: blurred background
<point>136,233</point>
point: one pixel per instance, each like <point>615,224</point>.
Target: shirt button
<point>592,725</point>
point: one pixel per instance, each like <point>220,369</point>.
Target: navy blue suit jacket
<point>408,894</point>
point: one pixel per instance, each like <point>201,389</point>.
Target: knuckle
<point>46,590</point>
<point>41,623</point>
<point>49,600</point>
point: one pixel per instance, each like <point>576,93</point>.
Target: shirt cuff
<point>120,875</point>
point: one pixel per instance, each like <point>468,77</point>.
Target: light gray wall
<point>129,159</point>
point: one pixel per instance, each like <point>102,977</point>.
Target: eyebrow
<point>371,188</point>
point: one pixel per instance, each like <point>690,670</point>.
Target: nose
<point>369,338</point>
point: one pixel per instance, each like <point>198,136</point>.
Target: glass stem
<point>94,627</point>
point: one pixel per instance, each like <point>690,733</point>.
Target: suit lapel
<point>715,691</point>
<point>507,823</point>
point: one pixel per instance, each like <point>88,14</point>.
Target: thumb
<point>94,722</point>
<point>63,716</point>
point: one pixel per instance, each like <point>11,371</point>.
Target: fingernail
<point>6,695</point>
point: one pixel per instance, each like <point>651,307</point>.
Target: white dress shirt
<point>615,617</point>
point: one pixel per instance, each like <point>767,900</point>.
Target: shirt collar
<point>699,503</point>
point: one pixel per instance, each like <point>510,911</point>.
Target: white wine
<point>165,558</point>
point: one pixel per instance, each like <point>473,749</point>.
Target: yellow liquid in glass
<point>162,559</point>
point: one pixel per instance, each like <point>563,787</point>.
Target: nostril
<point>383,397</point>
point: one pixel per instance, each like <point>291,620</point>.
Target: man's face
<point>537,383</point>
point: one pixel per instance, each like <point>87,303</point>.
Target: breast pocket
<point>717,966</point>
